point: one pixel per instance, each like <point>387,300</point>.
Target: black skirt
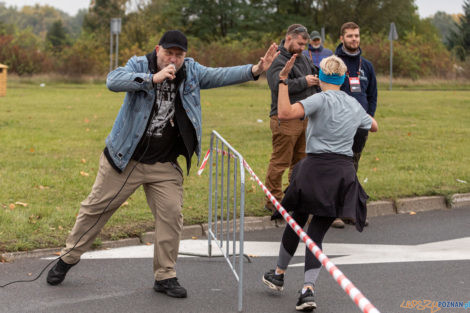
<point>326,184</point>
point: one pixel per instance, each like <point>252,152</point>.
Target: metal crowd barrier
<point>354,293</point>
<point>226,186</point>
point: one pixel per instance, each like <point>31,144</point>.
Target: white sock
<point>277,272</point>
<point>304,290</point>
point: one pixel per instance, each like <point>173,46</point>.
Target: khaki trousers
<point>288,141</point>
<point>163,186</point>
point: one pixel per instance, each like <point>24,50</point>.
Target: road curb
<point>380,208</point>
<point>420,204</point>
<point>374,208</point>
<point>460,200</point>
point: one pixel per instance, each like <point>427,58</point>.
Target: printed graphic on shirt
<point>165,102</point>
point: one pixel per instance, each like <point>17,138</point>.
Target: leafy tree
<point>21,51</point>
<point>57,36</point>
<point>97,20</point>
<point>459,40</point>
<point>445,25</point>
<point>87,56</point>
<point>6,29</point>
<point>373,16</point>
<point>40,18</point>
<point>74,24</point>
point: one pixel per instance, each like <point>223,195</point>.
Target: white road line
<point>456,249</point>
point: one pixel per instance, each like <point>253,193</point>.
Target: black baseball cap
<point>174,39</point>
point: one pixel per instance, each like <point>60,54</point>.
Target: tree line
<point>41,39</point>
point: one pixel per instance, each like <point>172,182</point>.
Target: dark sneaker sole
<point>306,307</point>
<point>271,285</point>
<point>169,293</point>
<point>54,282</point>
<point>337,225</point>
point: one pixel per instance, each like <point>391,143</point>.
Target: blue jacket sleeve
<point>132,77</point>
<point>210,77</point>
<point>372,91</point>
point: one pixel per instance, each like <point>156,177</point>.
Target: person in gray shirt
<point>324,183</point>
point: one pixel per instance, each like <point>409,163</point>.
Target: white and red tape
<point>355,294</point>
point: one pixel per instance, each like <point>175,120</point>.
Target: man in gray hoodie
<point>288,137</point>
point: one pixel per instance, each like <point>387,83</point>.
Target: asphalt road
<point>396,259</point>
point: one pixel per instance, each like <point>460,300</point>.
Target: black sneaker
<point>306,302</point>
<point>273,281</point>
<point>57,273</point>
<point>171,287</point>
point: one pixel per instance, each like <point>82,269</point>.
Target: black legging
<point>317,229</point>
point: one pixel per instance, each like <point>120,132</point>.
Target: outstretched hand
<point>284,73</point>
<point>266,61</point>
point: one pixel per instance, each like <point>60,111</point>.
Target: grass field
<point>51,138</point>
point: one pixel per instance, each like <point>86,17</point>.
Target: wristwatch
<point>282,81</point>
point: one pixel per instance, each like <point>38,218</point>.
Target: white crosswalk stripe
<point>456,249</point>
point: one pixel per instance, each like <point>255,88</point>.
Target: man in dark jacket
<point>316,52</point>
<point>288,137</point>
<point>360,83</point>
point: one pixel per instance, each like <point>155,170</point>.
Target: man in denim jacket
<point>159,120</point>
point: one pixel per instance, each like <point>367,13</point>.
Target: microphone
<point>167,80</point>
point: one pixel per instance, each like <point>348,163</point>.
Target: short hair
<point>333,65</point>
<point>348,25</point>
<point>297,29</point>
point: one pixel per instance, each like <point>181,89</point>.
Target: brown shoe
<point>338,223</point>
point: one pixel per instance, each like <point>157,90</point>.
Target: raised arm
<point>286,110</point>
<point>210,77</point>
<point>266,61</point>
<point>296,85</point>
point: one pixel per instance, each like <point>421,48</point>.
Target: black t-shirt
<point>164,148</point>
<point>161,141</point>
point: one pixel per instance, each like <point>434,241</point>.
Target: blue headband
<point>334,79</point>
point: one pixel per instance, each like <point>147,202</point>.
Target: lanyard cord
<point>358,70</point>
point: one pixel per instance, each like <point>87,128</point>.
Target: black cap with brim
<point>315,35</point>
<point>174,39</point>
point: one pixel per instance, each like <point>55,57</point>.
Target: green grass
<point>49,135</point>
<point>430,83</point>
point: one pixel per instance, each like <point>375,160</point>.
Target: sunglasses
<point>300,29</point>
